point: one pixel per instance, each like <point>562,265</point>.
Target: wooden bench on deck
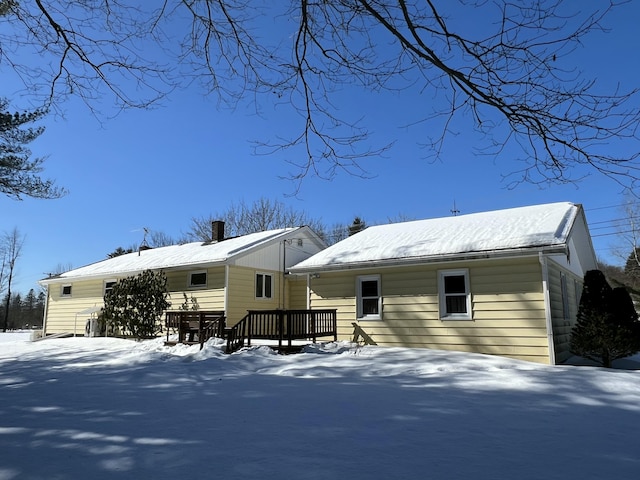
<point>194,326</point>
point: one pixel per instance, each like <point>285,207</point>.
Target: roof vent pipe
<point>217,231</point>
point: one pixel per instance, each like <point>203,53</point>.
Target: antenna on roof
<point>144,245</point>
<point>454,210</point>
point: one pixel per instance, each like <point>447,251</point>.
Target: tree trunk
<point>606,359</point>
<point>6,309</point>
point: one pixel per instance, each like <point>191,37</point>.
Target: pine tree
<point>357,226</point>
<point>19,175</point>
<point>607,323</point>
<point>626,334</point>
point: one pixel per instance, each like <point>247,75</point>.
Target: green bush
<point>135,305</point>
<point>607,325</point>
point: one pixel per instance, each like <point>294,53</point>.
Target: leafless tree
<point>161,239</point>
<point>11,245</point>
<point>628,231</point>
<point>627,245</point>
<point>261,215</point>
<point>512,77</point>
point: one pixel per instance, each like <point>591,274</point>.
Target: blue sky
<point>188,158</point>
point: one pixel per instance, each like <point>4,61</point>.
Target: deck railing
<point>195,326</point>
<point>282,325</point>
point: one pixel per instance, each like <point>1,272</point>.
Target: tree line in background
<point>24,311</point>
<point>244,218</point>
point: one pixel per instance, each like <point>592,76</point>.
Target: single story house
<point>230,274</point>
<point>506,282</point>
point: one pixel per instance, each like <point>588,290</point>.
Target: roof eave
<point>128,273</point>
<point>441,258</point>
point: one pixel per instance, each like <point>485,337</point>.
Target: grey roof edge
<point>433,259</point>
<point>107,275</point>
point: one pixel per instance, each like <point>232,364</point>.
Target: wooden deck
<point>283,327</point>
<point>285,330</point>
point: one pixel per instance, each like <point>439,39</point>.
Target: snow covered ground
<point>95,408</point>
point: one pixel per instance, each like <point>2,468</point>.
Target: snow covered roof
<point>539,227</point>
<point>185,255</point>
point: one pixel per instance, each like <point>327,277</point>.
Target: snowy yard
<point>97,408</point>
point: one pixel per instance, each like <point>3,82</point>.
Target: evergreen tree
<point>135,304</point>
<point>120,251</point>
<point>29,302</point>
<point>632,267</point>
<point>607,326</point>
<point>16,312</point>
<point>19,175</point>
<point>626,334</point>
<point>357,226</point>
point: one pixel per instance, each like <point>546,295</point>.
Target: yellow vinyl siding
<point>63,312</point>
<point>296,292</point>
<point>209,298</point>
<point>242,293</point>
<point>562,326</point>
<point>507,305</point>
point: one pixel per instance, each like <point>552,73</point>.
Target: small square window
<point>198,279</point>
<point>65,291</point>
<point>264,285</point>
<point>108,286</point>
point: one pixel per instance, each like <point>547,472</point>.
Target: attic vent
<point>217,231</point>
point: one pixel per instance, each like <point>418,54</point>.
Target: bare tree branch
<point>511,78</point>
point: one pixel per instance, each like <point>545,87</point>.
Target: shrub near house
<point>607,325</point>
<point>135,304</point>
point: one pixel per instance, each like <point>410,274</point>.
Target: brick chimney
<point>217,231</point>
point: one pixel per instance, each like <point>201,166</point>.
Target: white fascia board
<point>461,257</point>
<point>128,273</point>
<point>234,257</point>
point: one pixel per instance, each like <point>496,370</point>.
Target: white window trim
<point>104,285</point>
<point>191,286</point>
<point>442,297</point>
<point>264,275</point>
<point>66,295</point>
<point>359,298</point>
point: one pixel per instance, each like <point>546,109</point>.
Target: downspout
<point>547,307</point>
<point>46,313</point>
<point>284,271</point>
<point>226,291</point>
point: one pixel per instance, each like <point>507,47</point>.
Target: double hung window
<point>264,285</point>
<point>369,297</point>
<point>454,294</point>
